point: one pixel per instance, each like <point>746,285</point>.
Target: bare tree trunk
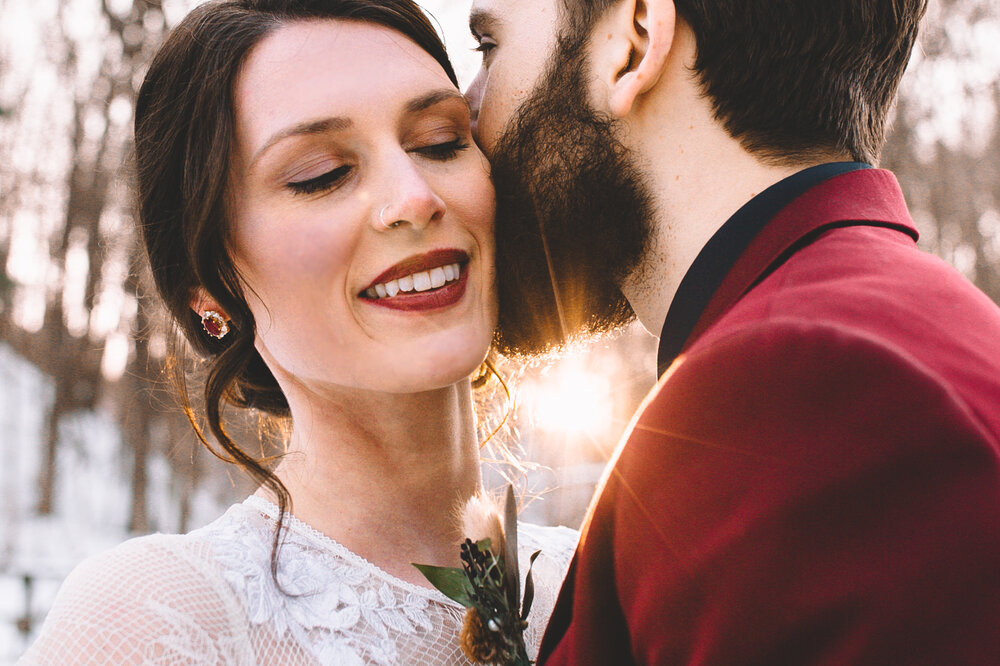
<point>190,475</point>
<point>139,419</point>
<point>139,515</point>
<point>47,470</point>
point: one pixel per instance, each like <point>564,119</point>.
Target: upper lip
<point>418,263</point>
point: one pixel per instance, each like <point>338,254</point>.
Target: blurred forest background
<point>93,447</point>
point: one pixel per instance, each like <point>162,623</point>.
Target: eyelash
<point>444,151</point>
<point>441,152</point>
<point>322,182</point>
<point>484,47</point>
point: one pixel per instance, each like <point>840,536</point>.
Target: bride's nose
<point>409,198</point>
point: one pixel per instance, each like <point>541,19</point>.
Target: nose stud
<point>387,225</point>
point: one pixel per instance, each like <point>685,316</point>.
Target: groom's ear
<point>630,50</point>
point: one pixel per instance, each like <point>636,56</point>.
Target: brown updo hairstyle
<point>184,134</point>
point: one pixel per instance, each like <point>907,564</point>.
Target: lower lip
<point>421,301</point>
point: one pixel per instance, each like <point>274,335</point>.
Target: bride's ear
<point>214,320</point>
<point>631,47</point>
<point>201,302</point>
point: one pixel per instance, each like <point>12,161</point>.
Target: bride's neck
<point>383,474</point>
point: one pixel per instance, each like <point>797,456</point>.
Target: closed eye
<point>443,152</point>
<point>322,182</point>
<point>484,25</point>
<point>485,47</point>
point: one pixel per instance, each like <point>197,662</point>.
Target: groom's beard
<point>573,217</point>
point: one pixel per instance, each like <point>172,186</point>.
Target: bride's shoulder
<point>149,594</point>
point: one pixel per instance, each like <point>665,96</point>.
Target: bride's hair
<point>184,125</point>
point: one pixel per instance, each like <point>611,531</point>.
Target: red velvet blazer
<point>816,480</point>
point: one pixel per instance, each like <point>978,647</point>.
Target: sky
<point>453,17</point>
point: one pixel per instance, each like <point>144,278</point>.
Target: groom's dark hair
<point>793,79</point>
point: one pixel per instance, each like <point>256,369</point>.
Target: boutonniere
<point>489,584</point>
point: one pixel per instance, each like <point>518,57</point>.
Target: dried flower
<point>488,585</point>
<point>480,520</point>
<point>479,643</point>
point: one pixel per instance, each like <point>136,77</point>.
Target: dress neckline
<point>271,510</point>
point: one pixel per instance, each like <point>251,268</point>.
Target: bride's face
<point>362,212</point>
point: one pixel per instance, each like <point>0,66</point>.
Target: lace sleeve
<point>151,600</point>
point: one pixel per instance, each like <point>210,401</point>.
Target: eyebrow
<point>338,124</point>
<point>309,127</point>
<point>482,21</point>
<point>428,100</point>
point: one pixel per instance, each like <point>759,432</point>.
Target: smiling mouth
<point>417,282</point>
<point>423,282</point>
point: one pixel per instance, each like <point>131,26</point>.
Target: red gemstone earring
<point>214,324</point>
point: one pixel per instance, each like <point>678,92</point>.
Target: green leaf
<point>529,587</point>
<point>510,542</point>
<point>451,582</point>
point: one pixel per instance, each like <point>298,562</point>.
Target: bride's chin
<point>444,365</point>
<point>416,365</point>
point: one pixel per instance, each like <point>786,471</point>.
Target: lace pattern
<point>208,597</point>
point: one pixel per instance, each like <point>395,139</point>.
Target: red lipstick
<point>420,262</point>
<point>448,294</point>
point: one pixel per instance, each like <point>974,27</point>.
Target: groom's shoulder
<point>872,279</point>
<point>858,329</point>
<point>789,398</point>
<point>857,298</point>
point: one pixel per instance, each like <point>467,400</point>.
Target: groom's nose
<point>474,94</point>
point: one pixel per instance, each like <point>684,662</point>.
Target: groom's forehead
<point>494,14</point>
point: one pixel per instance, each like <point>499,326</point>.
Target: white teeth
<point>422,281</point>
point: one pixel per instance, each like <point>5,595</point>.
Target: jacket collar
<point>860,197</point>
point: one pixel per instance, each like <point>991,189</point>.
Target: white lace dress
<point>208,597</point>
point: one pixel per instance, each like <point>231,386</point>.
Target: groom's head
<point>572,92</point>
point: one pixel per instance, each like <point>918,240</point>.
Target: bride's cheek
<point>317,247</point>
